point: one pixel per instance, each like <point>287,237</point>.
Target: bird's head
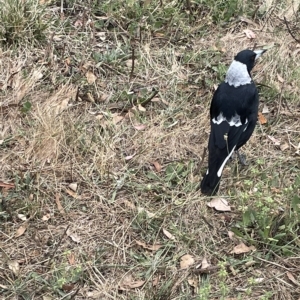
<point>248,57</point>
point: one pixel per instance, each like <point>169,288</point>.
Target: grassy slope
<point>67,117</point>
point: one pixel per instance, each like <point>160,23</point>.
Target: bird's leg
<point>242,158</point>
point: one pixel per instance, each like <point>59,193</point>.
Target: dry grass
<point>103,238</point>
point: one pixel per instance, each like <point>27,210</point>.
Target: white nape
<point>237,74</point>
<point>234,121</point>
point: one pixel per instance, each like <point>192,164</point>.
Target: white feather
<point>224,163</point>
<point>237,74</point>
<point>234,121</point>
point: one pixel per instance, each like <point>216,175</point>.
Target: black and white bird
<point>233,116</point>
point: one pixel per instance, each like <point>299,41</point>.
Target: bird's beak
<point>258,53</point>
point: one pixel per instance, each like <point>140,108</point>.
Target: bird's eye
<point>253,57</point>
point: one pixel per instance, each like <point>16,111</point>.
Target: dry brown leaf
<point>242,248</point>
<point>129,204</point>
<point>284,146</point>
<point>186,261</point>
<point>280,79</point>
<point>192,281</point>
<point>58,204</point>
<point>153,247</point>
<point>14,266</point>
<point>155,281</point>
<point>262,119</point>
<point>74,237</point>
<point>292,278</point>
<point>128,283</point>
<point>157,166</point>
<point>68,287</point>
<point>91,78</point>
<point>7,185</point>
<point>274,140</point>
<point>168,235</point>
<point>73,186</point>
<point>46,217</point>
<point>20,231</point>
<point>71,259</point>
<point>73,194</point>
<point>117,118</point>
<point>249,34</point>
<point>204,264</point>
<point>219,204</point>
<point>231,234</point>
<point>139,126</point>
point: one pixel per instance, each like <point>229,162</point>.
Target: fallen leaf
<point>7,185</point>
<point>262,119</point>
<point>14,266</point>
<point>155,281</point>
<point>219,204</point>
<point>249,34</point>
<point>22,217</point>
<point>168,235</point>
<point>280,79</point>
<point>192,281</point>
<point>128,283</point>
<point>46,217</point>
<point>74,237</point>
<point>73,186</point>
<point>128,157</point>
<point>59,206</point>
<point>141,108</point>
<point>265,109</point>
<point>139,126</point>
<point>242,248</point>
<point>231,234</point>
<point>284,146</point>
<point>274,140</point>
<point>20,231</point>
<point>155,99</point>
<point>129,204</point>
<point>153,247</point>
<point>91,78</point>
<point>292,278</point>
<point>186,261</point>
<point>157,166</point>
<point>117,119</point>
<point>204,264</point>
<point>73,194</point>
<point>71,259</point>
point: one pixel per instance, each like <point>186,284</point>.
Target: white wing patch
<point>224,163</point>
<point>234,121</point>
<point>237,74</point>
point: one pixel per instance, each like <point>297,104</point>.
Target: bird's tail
<point>211,181</point>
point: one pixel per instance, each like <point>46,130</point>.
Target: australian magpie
<point>233,116</point>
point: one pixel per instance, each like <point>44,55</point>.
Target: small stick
<point>58,244</point>
<point>289,30</point>
<point>132,64</point>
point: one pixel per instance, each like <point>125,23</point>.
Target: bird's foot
<point>242,158</point>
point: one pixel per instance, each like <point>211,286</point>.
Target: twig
<point>132,61</point>
<point>150,98</point>
<point>289,30</point>
<point>73,296</point>
<point>58,244</point>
